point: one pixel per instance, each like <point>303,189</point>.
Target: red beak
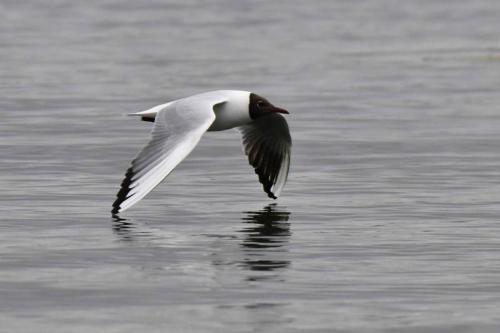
<point>280,110</point>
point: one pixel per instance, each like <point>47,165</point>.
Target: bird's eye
<point>260,104</point>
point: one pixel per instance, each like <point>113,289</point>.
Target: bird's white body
<point>180,124</point>
<point>230,114</point>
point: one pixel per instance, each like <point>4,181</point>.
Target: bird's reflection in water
<point>128,231</point>
<point>264,243</point>
<point>267,231</point>
<point>123,229</point>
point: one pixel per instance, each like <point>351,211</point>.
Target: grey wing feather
<point>176,131</point>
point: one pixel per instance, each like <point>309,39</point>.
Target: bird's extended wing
<point>267,143</point>
<point>176,131</point>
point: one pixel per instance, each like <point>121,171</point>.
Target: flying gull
<point>179,125</point>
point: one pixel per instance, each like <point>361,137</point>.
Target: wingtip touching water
<point>121,196</point>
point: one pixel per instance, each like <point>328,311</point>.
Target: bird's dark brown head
<point>260,107</point>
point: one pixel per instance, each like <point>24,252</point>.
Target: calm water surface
<point>390,219</point>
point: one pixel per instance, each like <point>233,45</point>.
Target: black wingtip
<point>271,195</point>
<point>121,196</point>
<point>266,183</point>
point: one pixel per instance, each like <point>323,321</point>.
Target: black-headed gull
<point>179,125</point>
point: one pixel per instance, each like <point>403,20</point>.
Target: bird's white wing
<point>267,143</point>
<point>176,131</point>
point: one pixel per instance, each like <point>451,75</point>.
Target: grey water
<point>390,218</point>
